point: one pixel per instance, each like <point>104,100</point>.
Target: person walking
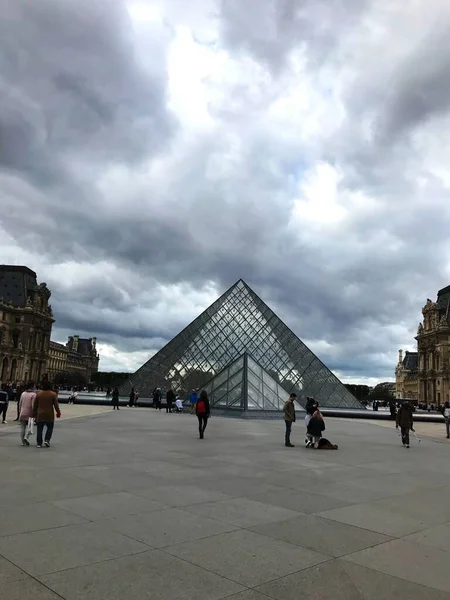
<point>115,399</point>
<point>44,408</point>
<point>26,403</point>
<point>136,397</point>
<point>405,421</point>
<point>4,403</point>
<point>193,400</point>
<point>132,397</point>
<point>446,415</point>
<point>170,399</point>
<point>289,418</point>
<point>203,411</point>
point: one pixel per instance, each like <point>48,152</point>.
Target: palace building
<point>425,375</point>
<point>26,320</point>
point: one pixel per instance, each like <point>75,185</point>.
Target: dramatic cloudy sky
<point>153,152</point>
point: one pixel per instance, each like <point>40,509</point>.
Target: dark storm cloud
<point>91,154</point>
<point>72,85</point>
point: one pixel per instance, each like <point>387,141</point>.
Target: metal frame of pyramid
<point>236,323</point>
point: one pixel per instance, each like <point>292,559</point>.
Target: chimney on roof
<point>400,356</point>
<point>76,339</point>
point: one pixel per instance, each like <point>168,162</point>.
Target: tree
<point>361,392</point>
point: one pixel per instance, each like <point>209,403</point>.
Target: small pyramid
<point>245,385</point>
<point>240,322</point>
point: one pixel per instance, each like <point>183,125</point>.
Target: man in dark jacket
<point>406,421</point>
<point>4,401</point>
<point>170,399</point>
<point>289,418</point>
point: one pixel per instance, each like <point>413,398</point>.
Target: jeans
<point>202,423</point>
<point>23,430</point>
<point>287,437</point>
<point>3,409</point>
<point>447,426</point>
<point>405,435</point>
<point>40,431</point>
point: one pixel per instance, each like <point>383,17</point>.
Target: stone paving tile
<point>164,528</point>
<point>328,537</point>
<point>413,562</point>
<point>242,512</point>
<point>152,575</point>
<point>65,547</point>
<point>27,589</point>
<point>435,537</point>
<point>369,516</point>
<point>34,517</point>
<point>107,506</point>
<point>180,495</point>
<point>9,572</point>
<point>246,557</point>
<point>300,500</point>
<point>338,580</point>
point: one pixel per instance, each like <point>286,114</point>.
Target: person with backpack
<point>405,421</point>
<point>202,410</point>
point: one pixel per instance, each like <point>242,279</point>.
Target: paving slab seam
<point>318,514</point>
<point>90,564</point>
<point>164,549</point>
<point>391,538</point>
<point>30,576</point>
<point>427,587</point>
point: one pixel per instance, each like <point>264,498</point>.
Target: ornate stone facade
<point>77,360</point>
<point>433,352</point>
<point>406,376</point>
<point>25,325</point>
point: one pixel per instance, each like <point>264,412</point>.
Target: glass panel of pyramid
<point>240,322</point>
<point>245,385</point>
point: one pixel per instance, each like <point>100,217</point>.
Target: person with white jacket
<point>26,411</point>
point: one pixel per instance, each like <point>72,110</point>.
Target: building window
<point>18,319</point>
<point>15,339</point>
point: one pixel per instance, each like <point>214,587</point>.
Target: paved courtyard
<point>131,505</point>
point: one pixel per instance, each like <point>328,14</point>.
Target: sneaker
<point>38,446</point>
<point>407,445</point>
<point>47,444</point>
<point>25,442</point>
<point>289,445</point>
<point>5,422</point>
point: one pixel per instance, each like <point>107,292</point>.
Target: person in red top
<point>202,410</point>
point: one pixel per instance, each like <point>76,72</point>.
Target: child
<point>315,427</point>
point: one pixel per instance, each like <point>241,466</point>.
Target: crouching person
<point>315,427</point>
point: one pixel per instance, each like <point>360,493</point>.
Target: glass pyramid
<point>240,322</point>
<point>245,385</point>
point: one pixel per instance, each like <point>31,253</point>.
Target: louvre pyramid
<point>240,322</point>
<point>244,385</point>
